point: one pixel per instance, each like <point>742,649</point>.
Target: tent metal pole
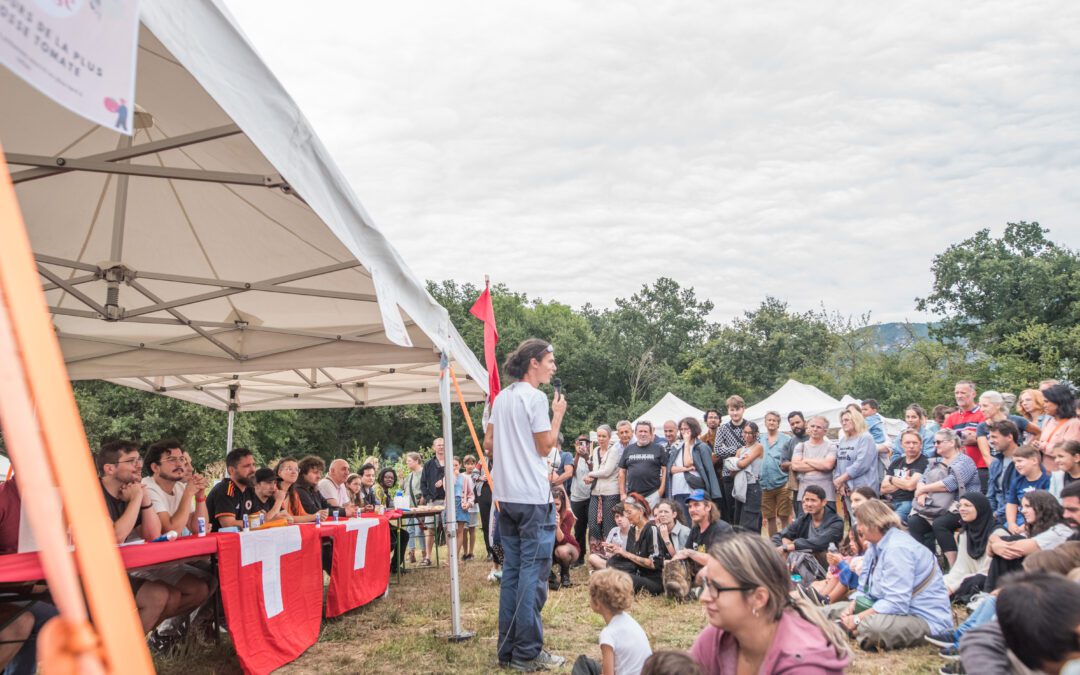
<point>232,417</point>
<point>229,434</point>
<point>450,514</point>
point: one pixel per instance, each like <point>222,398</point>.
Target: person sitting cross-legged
<point>616,539</point>
<point>624,646</point>
<point>707,529</point>
<point>901,597</point>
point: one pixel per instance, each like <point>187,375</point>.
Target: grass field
<point>404,633</point>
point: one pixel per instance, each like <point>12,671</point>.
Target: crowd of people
<point>796,544</point>
<point>799,544</point>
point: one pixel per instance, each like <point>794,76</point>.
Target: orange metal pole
<point>104,578</point>
<point>472,429</point>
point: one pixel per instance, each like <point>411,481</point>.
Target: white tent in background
<point>793,395</point>
<point>809,400</point>
<point>670,407</point>
<point>221,238</point>
<point>220,242</point>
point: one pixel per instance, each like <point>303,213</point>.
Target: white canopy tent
<point>809,400</point>
<point>793,395</point>
<point>670,407</point>
<point>220,244</point>
<point>223,238</point>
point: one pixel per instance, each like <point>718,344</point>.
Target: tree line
<point>1008,309</point>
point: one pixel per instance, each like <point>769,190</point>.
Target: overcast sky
<point>817,152</point>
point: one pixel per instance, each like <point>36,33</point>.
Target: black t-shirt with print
<point>227,499</point>
<point>702,541</point>
<point>902,469</point>
<point>643,464</point>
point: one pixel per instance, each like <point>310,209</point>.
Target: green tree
<point>757,352</point>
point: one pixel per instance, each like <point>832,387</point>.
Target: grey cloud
<point>818,152</point>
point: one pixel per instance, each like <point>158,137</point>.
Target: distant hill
<point>890,336</point>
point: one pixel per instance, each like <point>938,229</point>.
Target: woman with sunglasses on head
<point>953,474</point>
<point>754,625</point>
<point>643,556</point>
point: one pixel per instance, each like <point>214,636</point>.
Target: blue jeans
<point>987,611</point>
<point>903,509</point>
<point>527,534</point>
<point>25,660</point>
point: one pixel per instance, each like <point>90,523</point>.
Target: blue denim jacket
<point>1001,472</point>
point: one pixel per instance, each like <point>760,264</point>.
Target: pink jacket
<point>799,647</point>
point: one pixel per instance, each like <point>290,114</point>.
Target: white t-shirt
<point>163,502</point>
<point>628,641</point>
<point>331,490</point>
<point>521,475</point>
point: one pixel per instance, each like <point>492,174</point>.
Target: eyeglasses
<point>706,584</point>
<point>947,440</point>
<point>133,460</point>
<point>173,460</point>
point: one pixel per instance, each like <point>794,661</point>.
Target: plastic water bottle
<point>796,580</point>
<point>400,501</point>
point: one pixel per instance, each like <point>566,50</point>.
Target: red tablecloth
<point>23,567</point>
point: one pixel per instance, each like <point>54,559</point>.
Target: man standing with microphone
<point>519,437</point>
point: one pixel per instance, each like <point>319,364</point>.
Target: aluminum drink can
<point>318,519</point>
<point>262,519</point>
<point>202,526</point>
<point>247,523</point>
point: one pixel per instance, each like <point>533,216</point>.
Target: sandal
<point>426,562</point>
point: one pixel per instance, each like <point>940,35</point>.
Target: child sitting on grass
<point>624,646</point>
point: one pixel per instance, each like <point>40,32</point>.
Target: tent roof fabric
<point>670,407</point>
<point>793,395</point>
<point>221,239</point>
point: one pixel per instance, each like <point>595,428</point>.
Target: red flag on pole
<point>483,309</point>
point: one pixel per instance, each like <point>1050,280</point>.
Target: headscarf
<point>978,530</point>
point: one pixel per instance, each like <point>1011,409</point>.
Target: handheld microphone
<point>557,383</point>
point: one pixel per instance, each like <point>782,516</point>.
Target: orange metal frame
<point>41,422</point>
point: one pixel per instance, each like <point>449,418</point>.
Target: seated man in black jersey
<point>233,498</point>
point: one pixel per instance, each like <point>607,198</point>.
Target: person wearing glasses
<point>901,597</point>
<point>129,507</point>
<point>754,625</point>
<point>953,474</point>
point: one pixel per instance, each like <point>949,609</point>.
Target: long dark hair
<point>559,492</point>
<point>1048,512</point>
<point>1061,396</point>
